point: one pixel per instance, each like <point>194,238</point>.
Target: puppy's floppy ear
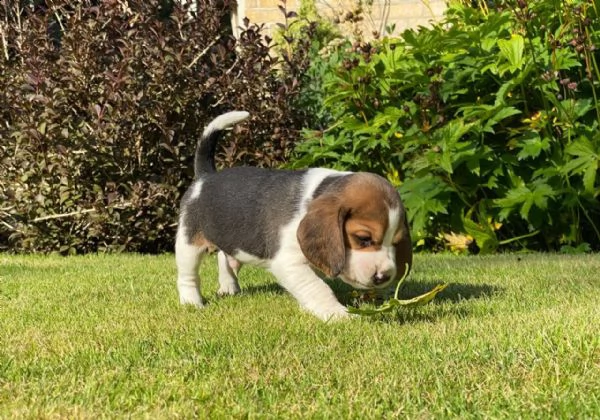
<point>321,235</point>
<point>404,253</point>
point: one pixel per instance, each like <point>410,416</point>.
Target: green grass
<point>104,336</point>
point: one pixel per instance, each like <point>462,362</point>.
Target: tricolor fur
<point>294,223</point>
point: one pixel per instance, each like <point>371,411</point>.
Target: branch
<point>60,216</point>
<point>204,51</point>
<point>4,44</point>
<point>11,227</point>
<point>77,213</point>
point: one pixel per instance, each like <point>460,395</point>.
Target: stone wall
<point>402,14</point>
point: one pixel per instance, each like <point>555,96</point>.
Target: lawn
<point>104,337</point>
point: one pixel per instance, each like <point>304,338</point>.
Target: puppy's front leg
<point>312,293</point>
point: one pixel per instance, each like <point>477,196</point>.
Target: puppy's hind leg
<point>228,269</point>
<point>188,257</point>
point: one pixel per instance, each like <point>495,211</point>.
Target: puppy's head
<point>357,230</point>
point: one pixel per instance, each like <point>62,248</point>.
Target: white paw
<point>228,290</point>
<point>331,314</point>
<point>189,295</point>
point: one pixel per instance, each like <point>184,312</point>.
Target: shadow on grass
<point>269,288</point>
<point>452,295</point>
<point>455,292</point>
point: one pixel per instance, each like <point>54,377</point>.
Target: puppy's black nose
<point>381,278</point>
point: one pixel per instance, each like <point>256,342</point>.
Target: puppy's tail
<point>205,150</point>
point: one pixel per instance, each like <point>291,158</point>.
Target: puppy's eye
<point>364,240</point>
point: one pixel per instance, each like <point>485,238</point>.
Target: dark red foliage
<point>101,104</point>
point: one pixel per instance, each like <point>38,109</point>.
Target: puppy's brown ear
<point>404,253</point>
<point>321,235</point>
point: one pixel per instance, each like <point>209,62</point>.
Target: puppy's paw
<point>228,290</point>
<point>338,317</point>
<point>332,314</point>
<point>190,296</point>
<point>198,305</point>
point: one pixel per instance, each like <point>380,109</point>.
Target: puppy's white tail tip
<point>226,120</point>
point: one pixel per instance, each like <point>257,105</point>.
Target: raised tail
<point>204,160</point>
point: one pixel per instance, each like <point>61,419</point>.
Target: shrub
<point>101,105</point>
<point>487,122</point>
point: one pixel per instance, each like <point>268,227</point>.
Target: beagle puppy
<point>296,224</point>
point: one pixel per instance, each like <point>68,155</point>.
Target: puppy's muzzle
<point>381,278</point>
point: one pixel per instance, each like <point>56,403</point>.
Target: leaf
<point>458,242</point>
<point>582,107</point>
<point>512,50</point>
<point>394,302</point>
<point>484,236</point>
<point>424,197</point>
<point>532,145</point>
<point>424,298</point>
<point>585,163</point>
<point>482,230</point>
<point>401,281</point>
<point>487,44</point>
<point>526,198</point>
<point>364,311</point>
<point>505,112</point>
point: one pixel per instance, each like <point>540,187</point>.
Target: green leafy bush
<point>487,122</point>
<point>101,105</point>
<point>303,38</point>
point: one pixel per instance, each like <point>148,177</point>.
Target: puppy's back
<point>243,208</point>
